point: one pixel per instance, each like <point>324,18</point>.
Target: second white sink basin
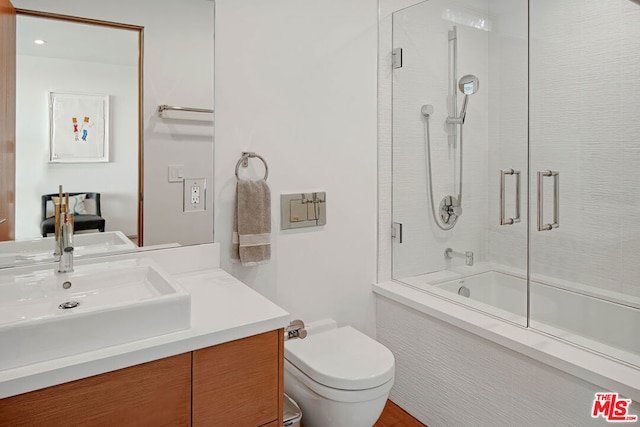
<point>21,252</point>
<point>113,303</point>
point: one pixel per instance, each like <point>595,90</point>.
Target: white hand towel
<point>251,243</point>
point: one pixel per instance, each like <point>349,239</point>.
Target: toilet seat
<point>345,396</point>
<point>342,358</point>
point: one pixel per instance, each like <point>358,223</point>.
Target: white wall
<point>296,83</point>
<point>35,176</point>
<point>178,70</point>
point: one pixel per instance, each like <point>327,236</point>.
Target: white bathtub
<point>579,314</point>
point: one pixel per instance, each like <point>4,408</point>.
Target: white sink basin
<point>20,252</point>
<point>119,302</point>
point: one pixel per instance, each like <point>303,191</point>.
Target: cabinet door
<point>152,394</point>
<point>239,383</point>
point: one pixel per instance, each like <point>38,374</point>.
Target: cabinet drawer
<point>152,394</point>
<point>238,383</point>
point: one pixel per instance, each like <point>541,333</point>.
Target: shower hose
<point>445,227</point>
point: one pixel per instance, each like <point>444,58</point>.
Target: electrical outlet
<point>194,193</point>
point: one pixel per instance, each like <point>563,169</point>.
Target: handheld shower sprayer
<point>468,84</point>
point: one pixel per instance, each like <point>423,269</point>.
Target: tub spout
<point>468,255</point>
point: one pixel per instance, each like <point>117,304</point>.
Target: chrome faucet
<point>468,255</point>
<point>65,243</point>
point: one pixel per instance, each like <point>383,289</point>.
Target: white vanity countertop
<point>222,309</point>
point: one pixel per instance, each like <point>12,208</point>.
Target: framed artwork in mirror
<point>79,128</point>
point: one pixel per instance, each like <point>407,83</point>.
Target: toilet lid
<point>342,358</point>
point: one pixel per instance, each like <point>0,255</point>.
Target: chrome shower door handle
<point>503,174</point>
<point>556,200</point>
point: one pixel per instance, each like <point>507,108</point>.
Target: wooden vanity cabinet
<point>239,383</point>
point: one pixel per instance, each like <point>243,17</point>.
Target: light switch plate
<point>176,173</point>
<point>194,194</point>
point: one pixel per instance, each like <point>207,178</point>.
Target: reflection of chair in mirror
<point>84,206</point>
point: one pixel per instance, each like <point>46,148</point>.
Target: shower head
<point>468,85</point>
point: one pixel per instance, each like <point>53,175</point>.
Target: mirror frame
<point>140,31</point>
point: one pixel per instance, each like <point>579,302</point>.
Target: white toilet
<point>339,376</point>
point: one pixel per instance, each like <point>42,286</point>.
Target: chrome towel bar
<point>162,108</point>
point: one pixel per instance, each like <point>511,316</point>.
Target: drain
<point>69,304</point>
<point>66,285</point>
<point>464,291</point>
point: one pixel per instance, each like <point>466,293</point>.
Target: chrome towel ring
<point>244,161</point>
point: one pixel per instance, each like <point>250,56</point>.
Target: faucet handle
<point>469,258</point>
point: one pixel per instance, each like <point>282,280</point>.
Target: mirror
<point>77,124</point>
<point>62,68</point>
<point>173,75</point>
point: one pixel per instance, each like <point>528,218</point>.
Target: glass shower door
<point>585,174</point>
<point>460,153</point>
<point>529,175</point>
